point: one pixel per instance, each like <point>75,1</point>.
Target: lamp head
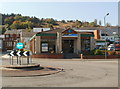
<point>107,13</point>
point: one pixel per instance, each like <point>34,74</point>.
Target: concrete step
<point>71,55</point>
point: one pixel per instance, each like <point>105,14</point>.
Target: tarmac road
<point>76,74</point>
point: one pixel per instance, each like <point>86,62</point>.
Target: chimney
<point>42,30</point>
<point>96,34</point>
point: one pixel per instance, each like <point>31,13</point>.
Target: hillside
<point>17,21</point>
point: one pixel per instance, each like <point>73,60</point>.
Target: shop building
<point>62,41</point>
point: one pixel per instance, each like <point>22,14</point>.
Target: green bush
<point>92,52</point>
<point>98,52</point>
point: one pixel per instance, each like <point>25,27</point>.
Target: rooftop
<point>28,34</point>
<point>12,32</point>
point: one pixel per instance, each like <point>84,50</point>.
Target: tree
<point>0,19</point>
<point>2,29</point>
<point>63,21</point>
<point>9,20</point>
<point>77,24</point>
<point>85,24</point>
<point>50,21</point>
<point>70,21</point>
<point>95,22</point>
<point>18,18</point>
<point>16,25</point>
<point>108,24</point>
<point>28,30</point>
<point>92,24</point>
<point>49,26</point>
<point>34,20</point>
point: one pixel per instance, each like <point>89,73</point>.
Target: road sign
<point>26,53</point>
<point>19,53</point>
<point>19,45</point>
<point>12,53</point>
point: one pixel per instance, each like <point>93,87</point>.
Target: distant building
<point>95,32</point>
<point>1,42</point>
<point>108,33</point>
<point>40,29</point>
<point>105,32</point>
<point>11,38</point>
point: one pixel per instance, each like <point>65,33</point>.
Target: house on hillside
<point>40,29</point>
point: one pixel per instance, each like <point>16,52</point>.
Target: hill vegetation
<point>17,21</point>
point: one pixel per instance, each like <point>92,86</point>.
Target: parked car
<point>114,47</point>
<point>117,47</point>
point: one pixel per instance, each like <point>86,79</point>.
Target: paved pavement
<point>77,73</point>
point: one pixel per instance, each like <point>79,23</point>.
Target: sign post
<point>19,54</point>
<point>12,60</point>
<point>19,45</point>
<point>27,53</point>
<point>17,59</point>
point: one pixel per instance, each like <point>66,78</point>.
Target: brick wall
<point>100,57</point>
<point>54,56</point>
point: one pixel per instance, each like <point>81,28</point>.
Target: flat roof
<point>79,30</point>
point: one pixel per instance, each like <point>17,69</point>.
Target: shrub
<point>98,52</point>
<point>92,52</point>
<point>103,52</point>
<point>111,52</point>
<point>117,52</point>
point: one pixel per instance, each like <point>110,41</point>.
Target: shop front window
<point>44,47</point>
<point>85,44</point>
<point>48,46</point>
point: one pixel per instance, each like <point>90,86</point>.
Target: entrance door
<point>68,46</point>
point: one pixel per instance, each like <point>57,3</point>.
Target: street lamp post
<point>105,35</point>
<point>114,34</point>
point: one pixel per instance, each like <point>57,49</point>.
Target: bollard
<point>31,59</point>
<point>12,60</point>
<point>27,59</point>
<point>81,55</point>
<point>20,60</point>
<point>17,59</point>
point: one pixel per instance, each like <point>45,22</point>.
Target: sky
<point>83,11</point>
